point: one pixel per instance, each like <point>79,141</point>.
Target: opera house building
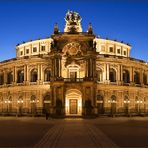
<point>73,73</point>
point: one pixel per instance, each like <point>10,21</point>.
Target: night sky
<point>23,20</point>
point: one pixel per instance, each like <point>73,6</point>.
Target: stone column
<point>121,73</point>
<point>86,68</point>
<point>41,73</point>
<point>15,74</point>
<point>141,76</point>
<point>55,67</point>
<point>38,73</point>
<point>131,74</point>
<point>5,76</point>
<point>107,72</point>
<point>27,73</point>
<point>25,76</point>
<point>59,66</point>
<point>90,69</point>
<point>104,73</point>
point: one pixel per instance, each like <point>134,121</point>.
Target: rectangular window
<point>110,49</point>
<point>34,49</point>
<point>124,52</point>
<point>118,51</point>
<point>42,48</point>
<point>21,52</point>
<point>27,51</point>
<point>103,48</point>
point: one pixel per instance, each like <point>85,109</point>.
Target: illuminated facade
<point>73,73</point>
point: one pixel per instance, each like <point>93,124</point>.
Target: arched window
<point>126,104</point>
<point>113,104</point>
<point>136,77</point>
<point>47,75</point>
<point>144,79</point>
<point>73,71</point>
<point>1,79</point>
<point>34,75</point>
<point>9,78</point>
<point>112,75</point>
<point>113,98</point>
<point>33,104</point>
<point>99,75</point>
<point>126,77</point>
<point>20,76</point>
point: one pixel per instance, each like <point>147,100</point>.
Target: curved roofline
<point>120,42</point>
<point>8,60</point>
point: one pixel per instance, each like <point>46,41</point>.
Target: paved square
<point>73,133</point>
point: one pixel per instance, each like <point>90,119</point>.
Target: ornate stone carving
<point>72,49</point>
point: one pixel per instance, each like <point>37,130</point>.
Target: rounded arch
<point>20,99</point>
<point>10,99</point>
<point>126,97</point>
<point>136,77</point>
<point>20,76</point>
<point>73,71</point>
<point>112,75</point>
<point>33,98</point>
<point>113,98</point>
<point>73,102</point>
<point>126,76</point>
<point>73,91</point>
<point>9,77</point>
<point>1,78</point>
<point>34,75</point>
<point>144,78</point>
<point>47,74</point>
<point>33,104</point>
<point>99,74</point>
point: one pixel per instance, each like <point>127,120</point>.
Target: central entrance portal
<point>73,106</point>
<point>73,102</point>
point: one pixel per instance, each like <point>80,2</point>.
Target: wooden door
<point>73,106</point>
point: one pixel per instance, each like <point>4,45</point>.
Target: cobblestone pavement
<point>76,134</point>
<point>73,133</point>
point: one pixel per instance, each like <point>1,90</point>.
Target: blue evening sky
<point>22,20</point>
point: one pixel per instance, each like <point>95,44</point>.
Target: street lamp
<point>7,102</point>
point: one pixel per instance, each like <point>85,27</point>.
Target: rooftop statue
<point>73,22</point>
<point>72,17</point>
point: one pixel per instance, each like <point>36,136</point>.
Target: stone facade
<point>73,73</point>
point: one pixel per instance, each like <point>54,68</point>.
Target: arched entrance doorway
<point>73,103</point>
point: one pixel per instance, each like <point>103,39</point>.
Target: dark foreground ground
<point>73,133</point>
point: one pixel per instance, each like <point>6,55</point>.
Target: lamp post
<point>126,103</point>
<point>7,102</point>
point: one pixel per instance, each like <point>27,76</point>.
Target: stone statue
<point>73,22</point>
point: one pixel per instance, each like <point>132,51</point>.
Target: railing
<point>73,80</point>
